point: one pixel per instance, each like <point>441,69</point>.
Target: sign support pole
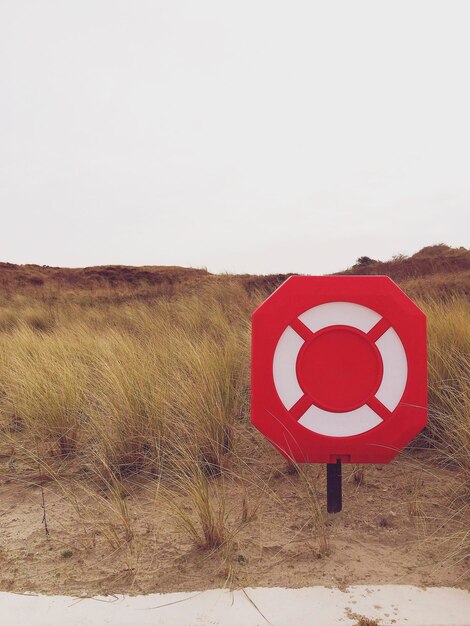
<point>334,487</point>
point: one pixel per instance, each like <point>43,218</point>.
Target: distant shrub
<point>365,260</point>
<point>439,249</point>
<point>36,280</point>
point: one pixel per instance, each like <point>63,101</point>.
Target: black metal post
<point>334,496</point>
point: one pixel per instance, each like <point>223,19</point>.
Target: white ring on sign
<point>395,371</point>
<point>392,386</point>
<point>340,314</point>
<point>285,358</point>
<point>340,424</point>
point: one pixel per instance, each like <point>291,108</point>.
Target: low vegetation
<point>133,387</point>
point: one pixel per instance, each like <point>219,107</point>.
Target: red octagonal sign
<point>339,369</point>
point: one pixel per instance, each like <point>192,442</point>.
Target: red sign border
<point>299,293</point>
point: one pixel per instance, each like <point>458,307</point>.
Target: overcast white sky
<point>247,136</point>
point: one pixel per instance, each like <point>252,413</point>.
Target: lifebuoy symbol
<point>340,369</point>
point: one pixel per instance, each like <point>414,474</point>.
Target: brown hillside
<point>435,270</point>
<point>115,277</point>
<point>439,259</point>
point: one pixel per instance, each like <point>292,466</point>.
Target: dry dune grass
<point>133,387</point>
<point>449,379</point>
<point>449,397</point>
<point>115,390</point>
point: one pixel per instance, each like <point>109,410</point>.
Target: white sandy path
<point>313,606</point>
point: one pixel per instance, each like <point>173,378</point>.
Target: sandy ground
<point>393,530</point>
